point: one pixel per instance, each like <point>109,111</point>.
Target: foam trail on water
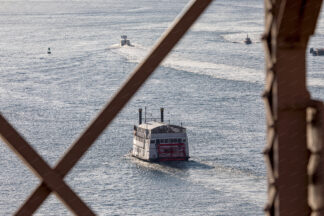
<point>216,70</point>
<point>239,37</point>
<point>220,71</point>
<point>211,176</point>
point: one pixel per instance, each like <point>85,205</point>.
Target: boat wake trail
<point>239,37</point>
<point>136,54</point>
<point>219,71</point>
<point>212,176</point>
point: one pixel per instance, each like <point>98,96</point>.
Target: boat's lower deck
<point>160,151</point>
<point>163,159</point>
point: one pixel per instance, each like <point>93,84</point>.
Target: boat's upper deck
<point>160,127</point>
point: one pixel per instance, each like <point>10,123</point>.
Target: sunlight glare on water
<point>211,83</point>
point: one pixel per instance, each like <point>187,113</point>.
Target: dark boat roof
<point>161,127</point>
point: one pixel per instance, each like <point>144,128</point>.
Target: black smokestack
<point>162,117</point>
<point>140,116</point>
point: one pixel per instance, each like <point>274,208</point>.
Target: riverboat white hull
<point>158,141</point>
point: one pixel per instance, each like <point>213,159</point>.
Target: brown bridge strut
<point>288,27</point>
<point>53,178</point>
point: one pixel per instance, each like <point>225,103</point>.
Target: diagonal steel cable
<point>129,88</point>
<point>36,163</point>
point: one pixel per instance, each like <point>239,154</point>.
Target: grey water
<point>211,83</point>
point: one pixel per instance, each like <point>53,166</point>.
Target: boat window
<point>179,140</point>
<point>157,141</point>
<point>152,141</point>
<point>184,140</point>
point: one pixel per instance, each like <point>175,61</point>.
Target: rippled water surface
<point>211,83</point>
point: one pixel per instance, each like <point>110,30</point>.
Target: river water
<point>211,83</point>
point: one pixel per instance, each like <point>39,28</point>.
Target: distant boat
<point>159,141</point>
<point>124,41</point>
<point>49,51</point>
<point>317,51</point>
<point>247,40</point>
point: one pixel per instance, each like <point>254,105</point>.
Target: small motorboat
<point>317,51</point>
<point>247,40</point>
<point>124,41</point>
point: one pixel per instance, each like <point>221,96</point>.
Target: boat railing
<point>168,130</point>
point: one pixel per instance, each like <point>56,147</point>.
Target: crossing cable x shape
<point>52,179</point>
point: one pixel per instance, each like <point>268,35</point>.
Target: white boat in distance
<point>159,141</point>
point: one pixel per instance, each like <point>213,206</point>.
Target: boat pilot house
<point>158,141</point>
